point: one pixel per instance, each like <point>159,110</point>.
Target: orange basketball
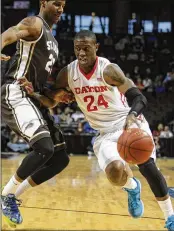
<point>135,146</point>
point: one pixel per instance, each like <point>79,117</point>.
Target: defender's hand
<point>5,57</point>
<point>26,85</point>
<point>131,119</point>
<point>64,96</point>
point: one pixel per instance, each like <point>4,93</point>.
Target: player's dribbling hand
<point>131,119</point>
<point>5,57</point>
<point>26,85</point>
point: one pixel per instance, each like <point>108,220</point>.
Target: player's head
<point>85,47</point>
<point>52,10</point>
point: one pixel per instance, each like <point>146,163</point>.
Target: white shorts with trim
<point>20,113</point>
<point>105,146</point>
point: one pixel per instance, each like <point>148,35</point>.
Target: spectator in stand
<point>56,112</point>
<point>78,115</point>
<point>17,144</point>
<point>166,133</point>
<point>120,45</point>
<point>169,81</point>
<point>66,116</point>
<point>159,87</point>
<point>84,127</point>
<point>139,84</point>
<point>142,57</point>
<point>168,78</point>
<point>132,56</point>
<point>160,128</point>
<point>147,82</point>
<point>87,128</point>
<point>165,48</point>
<point>136,72</point>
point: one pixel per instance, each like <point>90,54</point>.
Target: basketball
<point>135,146</point>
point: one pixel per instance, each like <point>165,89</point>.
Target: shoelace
<point>134,203</point>
<point>11,202</point>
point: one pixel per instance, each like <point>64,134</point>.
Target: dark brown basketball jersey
<point>35,59</point>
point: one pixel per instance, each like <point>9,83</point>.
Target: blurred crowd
<point>147,60</point>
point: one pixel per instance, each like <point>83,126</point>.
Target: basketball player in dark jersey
<point>37,52</point>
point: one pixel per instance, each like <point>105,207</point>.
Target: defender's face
<point>85,50</point>
<point>54,10</point>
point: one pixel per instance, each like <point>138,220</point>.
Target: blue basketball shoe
<point>135,204</point>
<point>170,223</point>
<point>10,210</point>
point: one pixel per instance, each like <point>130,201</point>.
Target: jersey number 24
<point>91,106</point>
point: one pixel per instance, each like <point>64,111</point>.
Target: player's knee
<point>44,147</point>
<point>115,171</point>
<point>59,161</point>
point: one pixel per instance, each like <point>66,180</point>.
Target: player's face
<point>53,10</point>
<point>85,50</point>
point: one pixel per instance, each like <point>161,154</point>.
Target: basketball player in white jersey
<point>111,102</point>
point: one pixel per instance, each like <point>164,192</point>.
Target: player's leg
<point>118,172</point>
<point>158,185</point>
<point>24,118</point>
<point>56,164</point>
<point>159,188</point>
<point>53,166</point>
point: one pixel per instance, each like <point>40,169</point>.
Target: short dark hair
<point>42,1</point>
<point>85,33</point>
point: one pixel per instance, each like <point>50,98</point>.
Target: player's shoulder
<point>31,21</point>
<point>73,64</point>
<point>103,62</point>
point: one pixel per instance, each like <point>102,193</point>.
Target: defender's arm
<point>28,29</point>
<point>61,83</point>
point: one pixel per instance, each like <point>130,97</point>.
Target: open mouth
<point>83,60</point>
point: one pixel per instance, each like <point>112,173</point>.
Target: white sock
<point>130,184</point>
<point>22,188</point>
<point>166,207</point>
<point>11,186</point>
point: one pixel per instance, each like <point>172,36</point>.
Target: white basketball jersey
<point>104,106</point>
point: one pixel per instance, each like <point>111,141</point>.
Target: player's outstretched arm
<point>62,78</point>
<point>28,29</point>
<point>114,76</point>
<point>43,100</point>
<point>61,84</point>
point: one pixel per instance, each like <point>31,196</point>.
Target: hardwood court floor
<point>81,198</point>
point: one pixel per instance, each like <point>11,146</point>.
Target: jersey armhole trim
<point>34,41</point>
<point>68,68</point>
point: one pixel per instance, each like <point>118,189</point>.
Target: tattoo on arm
<point>19,34</point>
<point>29,21</point>
<point>112,72</point>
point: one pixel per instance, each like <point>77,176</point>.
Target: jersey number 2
<point>90,100</point>
<point>50,63</point>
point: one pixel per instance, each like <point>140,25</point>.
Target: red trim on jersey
<point>88,76</point>
<point>123,99</point>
